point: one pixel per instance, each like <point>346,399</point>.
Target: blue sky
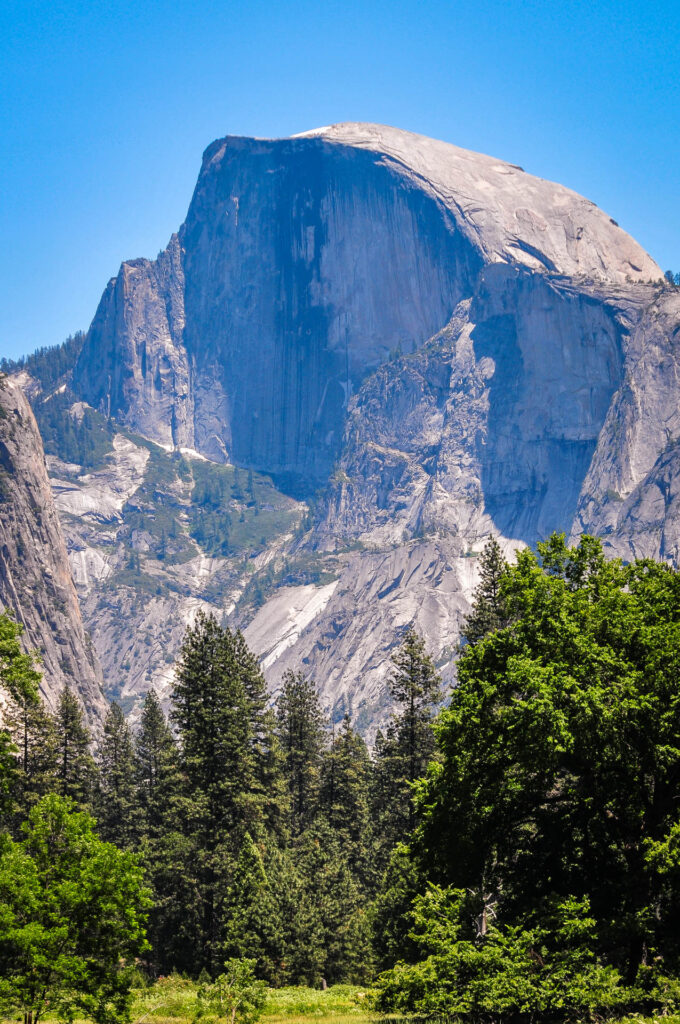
<point>106,107</point>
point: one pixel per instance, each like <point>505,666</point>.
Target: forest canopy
<point>515,856</point>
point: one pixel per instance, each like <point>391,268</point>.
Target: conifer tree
<point>76,770</point>
<point>272,782</point>
<point>213,713</point>
<point>157,769</point>
<point>344,800</point>
<point>166,851</point>
<point>407,747</point>
<point>117,809</point>
<point>340,918</point>
<point>268,803</point>
<point>489,611</point>
<point>19,681</point>
<point>254,928</point>
<point>301,732</point>
<point>35,737</point>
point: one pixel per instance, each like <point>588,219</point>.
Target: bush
<point>548,970</point>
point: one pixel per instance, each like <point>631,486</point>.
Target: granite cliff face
<point>35,576</point>
<point>431,342</point>
<point>302,264</point>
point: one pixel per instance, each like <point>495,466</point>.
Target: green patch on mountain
<point>74,434</point>
<point>235,510</point>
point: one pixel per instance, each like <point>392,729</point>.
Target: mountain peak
<point>512,216</point>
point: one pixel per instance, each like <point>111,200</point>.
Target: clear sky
<point>107,105</point>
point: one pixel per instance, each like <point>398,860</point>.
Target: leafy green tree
<point>489,611</point>
<point>19,680</point>
<point>72,913</point>
<point>301,729</point>
<point>116,801</point>
<point>560,753</point>
<point>548,972</point>
<point>76,770</point>
<point>235,994</point>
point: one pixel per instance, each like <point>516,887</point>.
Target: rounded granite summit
<point>511,216</point>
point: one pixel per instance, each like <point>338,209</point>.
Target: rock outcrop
<point>430,343</point>
<point>36,585</point>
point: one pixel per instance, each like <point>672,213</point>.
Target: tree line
<point>262,832</point>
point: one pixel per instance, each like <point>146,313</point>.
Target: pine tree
<point>253,927</point>
<point>158,777</point>
<point>272,783</point>
<point>213,713</point>
<point>341,949</point>
<point>76,770</point>
<point>19,680</point>
<point>267,799</point>
<point>166,852</point>
<point>408,745</point>
<point>117,807</point>
<point>302,736</point>
<point>489,611</point>
<point>344,800</point>
<point>35,737</point>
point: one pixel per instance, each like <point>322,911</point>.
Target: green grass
<point>173,1000</point>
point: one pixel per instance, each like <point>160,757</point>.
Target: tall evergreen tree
<point>157,769</point>
<point>268,796</point>
<point>254,928</point>
<point>76,770</point>
<point>489,608</point>
<point>35,736</point>
<point>167,852</point>
<point>302,735</point>
<point>116,804</point>
<point>344,800</point>
<point>213,713</point>
<point>404,752</point>
<point>340,919</point>
<point>19,680</point>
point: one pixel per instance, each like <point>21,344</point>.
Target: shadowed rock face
<point>36,585</point>
<point>305,265</point>
<point>557,358</point>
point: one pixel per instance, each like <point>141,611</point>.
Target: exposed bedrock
<point>36,585</point>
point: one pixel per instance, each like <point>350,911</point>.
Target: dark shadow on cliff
<point>557,363</point>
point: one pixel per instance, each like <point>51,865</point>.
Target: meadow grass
<point>173,1000</point>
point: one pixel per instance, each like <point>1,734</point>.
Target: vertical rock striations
<point>35,577</point>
